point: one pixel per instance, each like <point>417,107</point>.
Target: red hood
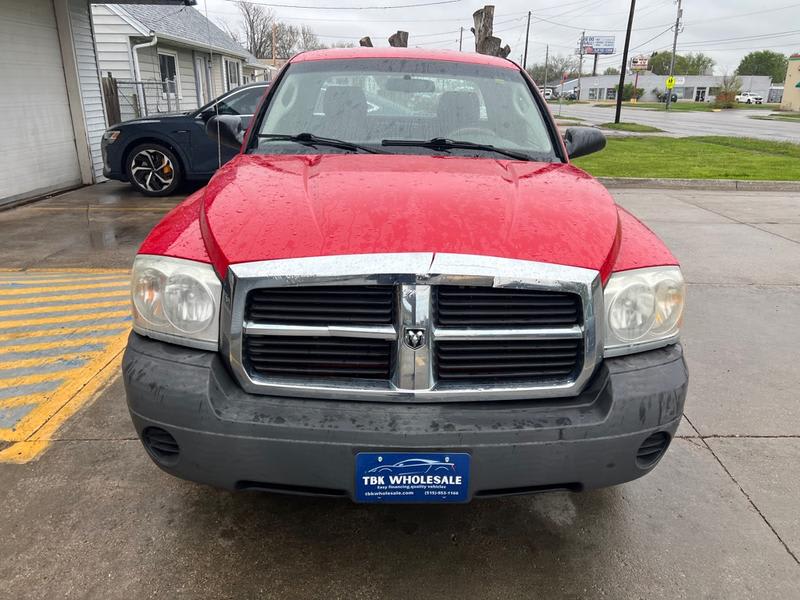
<point>272,207</point>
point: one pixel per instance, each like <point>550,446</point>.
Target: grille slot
<point>651,449</point>
<point>322,305</point>
<point>162,446</point>
<point>473,306</point>
<point>302,357</point>
<point>503,360</point>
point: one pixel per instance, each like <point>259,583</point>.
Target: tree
<point>255,31</point>
<point>308,40</point>
<point>690,64</point>
<point>730,87</point>
<point>611,71</point>
<point>628,91</point>
<point>764,62</point>
<point>698,64</point>
<point>556,67</point>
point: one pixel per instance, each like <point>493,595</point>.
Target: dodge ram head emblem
<point>414,338</point>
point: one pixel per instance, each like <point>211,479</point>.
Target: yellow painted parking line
<point>28,449</point>
<point>121,294</point>
<point>56,351</point>
<point>35,362</point>
<point>33,291</point>
<point>67,345</point>
<point>122,312</point>
<point>21,382</point>
<point>70,271</point>
<point>48,309</point>
<point>89,328</point>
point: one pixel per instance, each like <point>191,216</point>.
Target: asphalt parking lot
<point>87,515</point>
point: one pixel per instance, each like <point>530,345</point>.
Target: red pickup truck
<point>400,290</point>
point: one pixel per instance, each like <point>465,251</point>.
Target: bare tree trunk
<point>399,39</point>
<point>485,42</point>
<point>366,42</point>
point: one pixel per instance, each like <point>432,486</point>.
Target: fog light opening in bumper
<point>652,449</point>
<point>161,445</point>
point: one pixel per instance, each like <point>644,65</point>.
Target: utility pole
<point>580,65</point>
<point>527,34</point>
<point>546,59</point>
<point>674,49</point>
<point>460,39</point>
<point>625,63</point>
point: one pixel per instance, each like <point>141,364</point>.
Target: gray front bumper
<point>235,440</point>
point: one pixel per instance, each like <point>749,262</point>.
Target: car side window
<point>242,103</point>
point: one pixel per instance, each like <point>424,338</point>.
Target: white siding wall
<point>90,90</point>
<point>150,71</point>
<point>112,37</point>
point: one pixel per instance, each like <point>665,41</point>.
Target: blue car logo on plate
<point>412,477</point>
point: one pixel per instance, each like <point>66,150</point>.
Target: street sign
<point>598,44</point>
<point>640,63</point>
<point>670,83</point>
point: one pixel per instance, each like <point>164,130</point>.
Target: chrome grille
<point>412,327</point>
<point>504,360</point>
<point>287,356</point>
<point>473,306</point>
<point>322,305</point>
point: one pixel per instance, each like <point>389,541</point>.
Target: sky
<point>724,29</point>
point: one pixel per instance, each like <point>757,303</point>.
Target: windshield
<point>374,102</point>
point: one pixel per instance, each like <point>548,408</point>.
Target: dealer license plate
<point>412,477</point>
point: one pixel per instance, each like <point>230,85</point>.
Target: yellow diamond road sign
<point>670,83</point>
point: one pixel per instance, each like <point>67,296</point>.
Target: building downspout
<point>137,75</point>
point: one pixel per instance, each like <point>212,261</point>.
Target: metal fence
<point>127,99</point>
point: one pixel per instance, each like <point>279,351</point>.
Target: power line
<point>306,6</point>
<point>747,14</point>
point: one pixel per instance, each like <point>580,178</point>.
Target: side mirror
<point>581,141</point>
<point>227,130</point>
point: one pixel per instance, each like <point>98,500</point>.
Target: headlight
<point>176,300</point>
<point>643,309</point>
<point>111,135</point>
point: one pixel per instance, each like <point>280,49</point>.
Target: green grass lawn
<point>695,158</point>
<point>633,127</point>
<point>565,118</point>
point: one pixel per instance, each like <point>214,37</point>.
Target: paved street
<point>735,123</point>
<point>91,516</point>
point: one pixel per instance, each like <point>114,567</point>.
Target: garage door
<point>37,143</point>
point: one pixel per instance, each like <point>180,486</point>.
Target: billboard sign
<point>598,44</point>
<point>640,63</point>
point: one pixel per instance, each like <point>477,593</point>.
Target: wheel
<point>749,101</point>
<point>154,170</point>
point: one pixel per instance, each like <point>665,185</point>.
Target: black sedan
<point>156,154</point>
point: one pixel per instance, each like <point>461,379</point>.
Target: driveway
<point>736,123</point>
<point>92,517</point>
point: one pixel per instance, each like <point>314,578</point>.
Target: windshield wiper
<point>440,143</point>
<point>309,139</point>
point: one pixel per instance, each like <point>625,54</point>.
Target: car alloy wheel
<point>152,170</point>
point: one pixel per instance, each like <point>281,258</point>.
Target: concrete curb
<point>701,184</point>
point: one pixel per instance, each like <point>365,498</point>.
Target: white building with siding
<point>688,88</point>
<point>51,100</point>
<point>153,44</point>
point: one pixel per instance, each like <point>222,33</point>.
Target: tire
<point>153,169</point>
<point>749,101</point>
